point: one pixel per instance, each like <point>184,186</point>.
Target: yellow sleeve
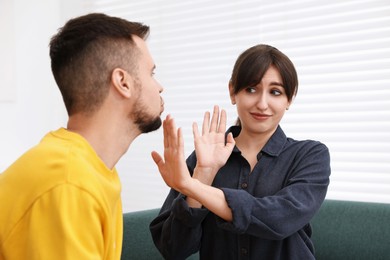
<point>64,223</point>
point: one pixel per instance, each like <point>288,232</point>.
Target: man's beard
<point>145,122</point>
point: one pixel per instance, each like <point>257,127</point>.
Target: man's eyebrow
<point>154,67</point>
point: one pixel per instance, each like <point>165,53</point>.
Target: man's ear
<point>122,82</point>
<point>231,93</point>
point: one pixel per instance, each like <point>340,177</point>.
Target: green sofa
<point>341,230</point>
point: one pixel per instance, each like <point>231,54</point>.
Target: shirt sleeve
<point>64,223</point>
<point>279,215</point>
<point>177,230</point>
<point>177,221</point>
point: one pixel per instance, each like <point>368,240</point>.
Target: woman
<point>253,194</point>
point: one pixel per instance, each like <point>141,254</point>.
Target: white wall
<point>33,103</point>
<point>30,102</point>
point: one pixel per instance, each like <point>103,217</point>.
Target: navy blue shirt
<point>272,206</point>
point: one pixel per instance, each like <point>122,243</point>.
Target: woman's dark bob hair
<point>252,64</point>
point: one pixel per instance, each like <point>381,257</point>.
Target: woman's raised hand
<point>173,167</point>
<point>212,150</point>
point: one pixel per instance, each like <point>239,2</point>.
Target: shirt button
<point>244,185</point>
<point>244,251</point>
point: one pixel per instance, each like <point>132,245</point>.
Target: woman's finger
<point>195,130</point>
<point>180,141</point>
<point>214,120</point>
<point>172,135</point>
<point>158,160</point>
<point>206,123</point>
<point>222,122</point>
<point>165,133</point>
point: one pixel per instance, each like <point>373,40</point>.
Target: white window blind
<point>341,50</point>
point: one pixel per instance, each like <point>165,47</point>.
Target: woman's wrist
<point>204,174</point>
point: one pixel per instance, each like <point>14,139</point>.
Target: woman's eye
<point>250,90</point>
<point>276,92</point>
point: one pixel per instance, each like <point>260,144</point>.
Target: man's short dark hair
<point>84,53</point>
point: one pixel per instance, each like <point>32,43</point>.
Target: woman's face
<point>261,107</point>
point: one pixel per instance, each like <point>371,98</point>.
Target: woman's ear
<point>231,93</point>
<point>289,103</point>
<point>122,81</point>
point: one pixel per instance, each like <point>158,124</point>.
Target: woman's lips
<point>259,116</point>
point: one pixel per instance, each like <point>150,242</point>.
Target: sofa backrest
<point>352,230</point>
<point>137,241</point>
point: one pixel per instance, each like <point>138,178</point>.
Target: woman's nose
<point>262,102</point>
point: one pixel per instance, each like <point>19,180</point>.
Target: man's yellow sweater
<point>60,201</point>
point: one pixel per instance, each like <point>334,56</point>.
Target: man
<point>61,199</point>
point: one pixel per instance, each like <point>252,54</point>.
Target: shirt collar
<point>273,147</point>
